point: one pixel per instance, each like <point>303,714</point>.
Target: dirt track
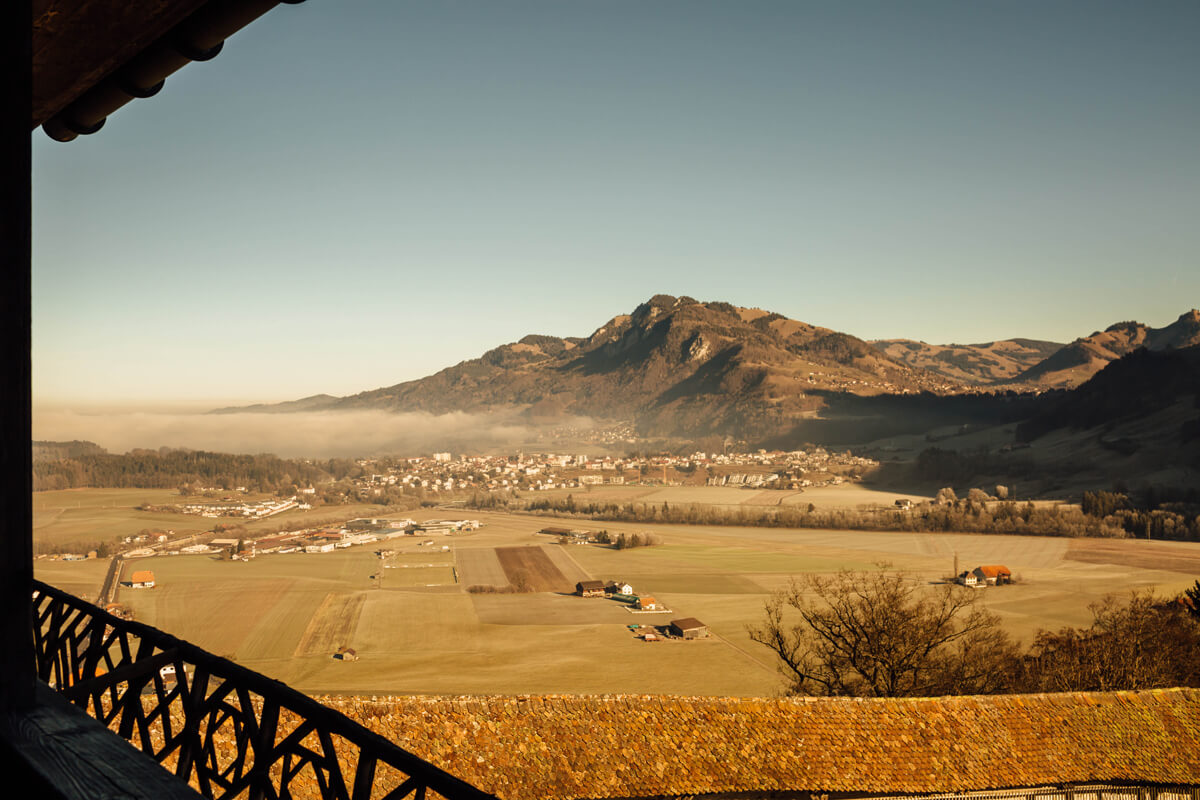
<point>535,567</point>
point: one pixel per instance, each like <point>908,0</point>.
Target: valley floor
<point>417,630</point>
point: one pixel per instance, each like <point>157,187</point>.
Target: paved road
<point>110,581</point>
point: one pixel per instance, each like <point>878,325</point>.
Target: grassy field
<point>73,517</point>
<point>104,515</point>
<point>80,578</point>
<point>285,615</point>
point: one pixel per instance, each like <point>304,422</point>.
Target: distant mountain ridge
<point>1030,363</point>
<point>1084,357</point>
<point>675,364</point>
<point>316,402</point>
<point>991,362</point>
<point>678,366</point>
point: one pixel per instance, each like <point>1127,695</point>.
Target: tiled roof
<point>994,570</point>
<point>622,746</point>
<point>141,576</point>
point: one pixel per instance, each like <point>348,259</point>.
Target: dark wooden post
<point>16,523</point>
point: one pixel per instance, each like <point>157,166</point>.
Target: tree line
<point>977,513</point>
<point>1156,514</point>
<point>165,469</point>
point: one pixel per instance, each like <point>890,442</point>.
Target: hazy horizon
<point>351,196</point>
<point>328,434</point>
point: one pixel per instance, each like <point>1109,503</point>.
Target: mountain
<point>316,402</point>
<point>675,365</point>
<point>1130,389</point>
<point>679,367</point>
<point>1031,363</point>
<point>1083,358</point>
<point>992,362</point>
<point>1135,423</point>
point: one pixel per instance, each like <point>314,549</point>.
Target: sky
<point>354,194</point>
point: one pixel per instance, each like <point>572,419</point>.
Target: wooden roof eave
<point>90,57</point>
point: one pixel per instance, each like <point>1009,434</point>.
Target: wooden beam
<point>67,754</point>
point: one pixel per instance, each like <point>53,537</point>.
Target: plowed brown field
<point>1136,553</point>
<point>535,566</point>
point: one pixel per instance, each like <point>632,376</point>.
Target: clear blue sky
<point>358,193</point>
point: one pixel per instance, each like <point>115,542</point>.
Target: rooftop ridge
<point>1172,690</point>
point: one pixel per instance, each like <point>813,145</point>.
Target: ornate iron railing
<point>226,730</point>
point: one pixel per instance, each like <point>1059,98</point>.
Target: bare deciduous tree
<point>883,634</point>
<point>521,581</point>
<point>1143,642</point>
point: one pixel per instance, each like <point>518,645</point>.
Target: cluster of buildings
<point>864,385</point>
<point>245,510</point>
<point>355,532</point>
<point>90,554</point>
<point>794,469</point>
<point>617,433</point>
<point>622,592</point>
<point>683,628</point>
<point>444,473</point>
<point>985,575</point>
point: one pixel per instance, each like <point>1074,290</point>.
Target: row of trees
<point>624,542</point>
<point>166,469</point>
<point>884,634</point>
<point>975,514</point>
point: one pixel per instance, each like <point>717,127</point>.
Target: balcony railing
<point>224,729</point>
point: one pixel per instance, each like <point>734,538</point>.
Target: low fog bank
<point>305,434</point>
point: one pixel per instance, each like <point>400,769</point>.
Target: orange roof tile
<point>142,576</point>
<point>536,747</point>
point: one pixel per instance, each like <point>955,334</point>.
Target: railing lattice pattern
<point>226,730</point>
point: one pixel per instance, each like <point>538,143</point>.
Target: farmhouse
<point>967,579</point>
<point>689,628</point>
<point>590,588</point>
<point>648,603</point>
<point>619,587</point>
<point>992,574</point>
<point>142,579</point>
